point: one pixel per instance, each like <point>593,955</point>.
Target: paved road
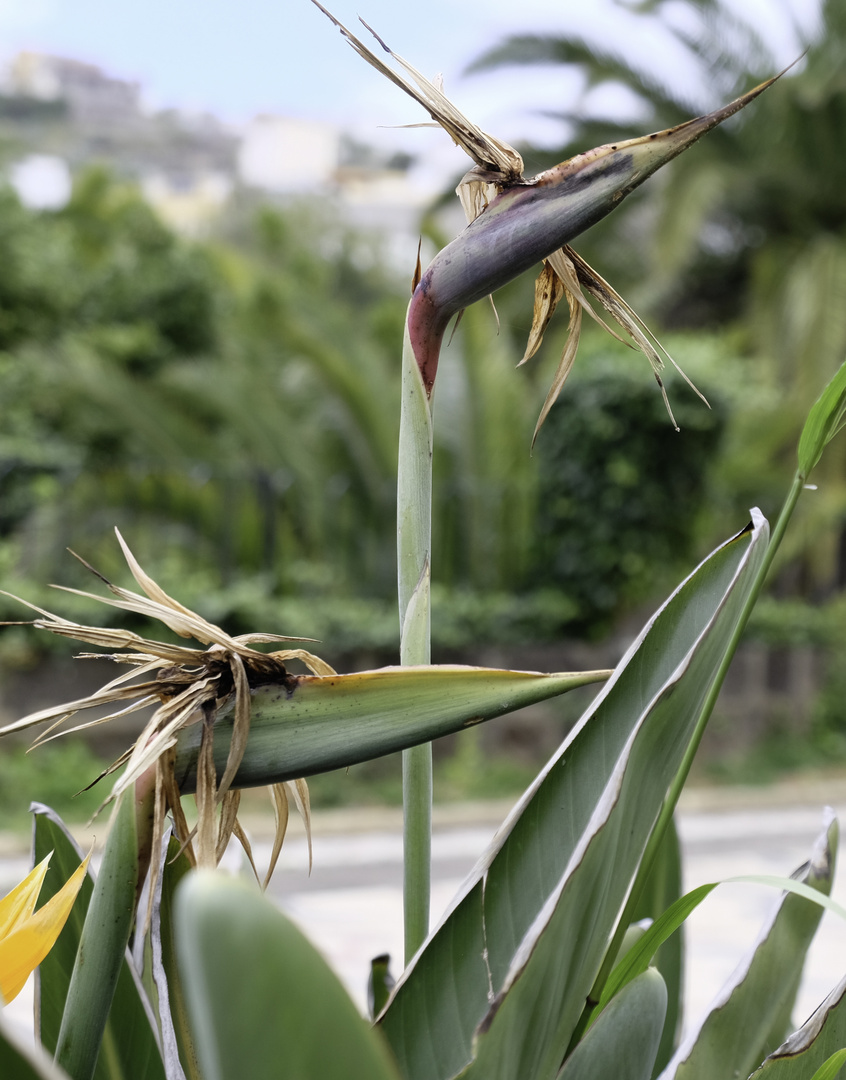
<point>350,906</point>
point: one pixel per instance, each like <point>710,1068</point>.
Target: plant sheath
<point>414,530</point>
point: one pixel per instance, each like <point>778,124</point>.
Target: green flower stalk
<point>513,223</point>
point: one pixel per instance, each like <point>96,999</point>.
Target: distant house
<point>63,114</point>
<point>94,98</point>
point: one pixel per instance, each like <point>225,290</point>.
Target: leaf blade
<point>518,886</point>
<point>130,1048</point>
<point>335,721</point>
<point>227,934</point>
<point>624,1041</point>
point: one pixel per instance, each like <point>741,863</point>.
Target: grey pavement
<point>351,904</point>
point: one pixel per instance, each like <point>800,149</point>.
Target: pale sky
<point>241,57</point>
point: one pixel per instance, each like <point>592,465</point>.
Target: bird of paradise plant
<point>523,978</point>
<point>514,223</point>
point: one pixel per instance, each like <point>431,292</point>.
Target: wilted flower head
<point>185,686</point>
<point>516,221</point>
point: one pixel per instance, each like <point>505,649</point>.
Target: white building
<point>283,155</point>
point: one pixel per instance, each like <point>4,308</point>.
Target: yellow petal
<point>23,950</point>
<point>19,904</point>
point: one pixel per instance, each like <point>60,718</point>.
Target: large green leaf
<point>505,976</point>
<point>129,1048</point>
<point>329,723</point>
<point>102,944</point>
<point>663,887</point>
<point>752,1013</point>
<point>624,1041</point>
<point>20,1060</point>
<point>263,1002</point>
<point>824,421</point>
<point>830,1069</point>
<point>809,1048</point>
<point>638,957</point>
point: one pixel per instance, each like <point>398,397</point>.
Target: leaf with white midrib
<point>655,693</point>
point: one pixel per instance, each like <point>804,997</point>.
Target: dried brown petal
<point>548,291</point>
<point>189,686</point>
<point>500,161</point>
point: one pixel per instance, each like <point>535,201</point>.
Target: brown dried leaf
<point>576,276</point>
<point>498,159</point>
<point>69,708</point>
<point>632,323</point>
<point>475,193</point>
<point>229,804</point>
<point>299,790</point>
<point>548,291</point>
<point>160,733</point>
<point>51,733</point>
<point>244,841</point>
<point>154,591</point>
<point>241,724</point>
<point>205,795</point>
<point>189,685</point>
<point>174,802</point>
<point>314,663</point>
<point>565,364</point>
<point>279,798</point>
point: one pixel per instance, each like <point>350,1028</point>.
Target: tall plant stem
<point>668,809</point>
<point>414,532</point>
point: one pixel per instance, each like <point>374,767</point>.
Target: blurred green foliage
<point>620,489</point>
<point>231,404</point>
<point>240,429</point>
<point>51,775</point>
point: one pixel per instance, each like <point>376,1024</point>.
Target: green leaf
<point>808,1051</point>
<point>20,1060</point>
<point>504,978</point>
<point>101,956</point>
<point>129,1049</point>
<point>662,888</point>
<point>752,1012</point>
<point>262,1000</point>
<point>829,1069</point>
<point>639,957</point>
<point>824,421</point>
<point>329,723</point>
<point>379,984</point>
<point>624,1041</point>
